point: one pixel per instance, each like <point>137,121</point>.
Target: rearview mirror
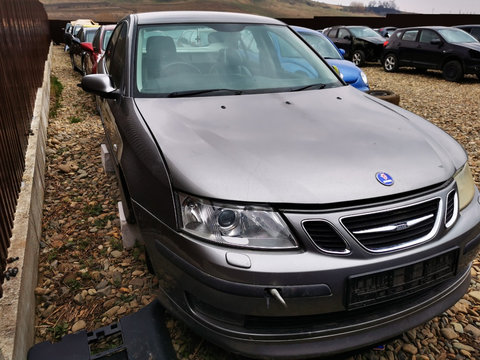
<point>101,85</point>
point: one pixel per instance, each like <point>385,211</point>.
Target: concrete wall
<point>18,302</point>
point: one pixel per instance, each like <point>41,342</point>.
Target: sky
<point>426,6</point>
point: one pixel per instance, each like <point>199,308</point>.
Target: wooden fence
<point>25,38</point>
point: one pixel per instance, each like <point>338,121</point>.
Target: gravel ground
<point>86,280</point>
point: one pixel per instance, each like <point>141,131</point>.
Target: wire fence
<point>24,39</point>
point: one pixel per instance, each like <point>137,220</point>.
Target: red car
<point>94,51</point>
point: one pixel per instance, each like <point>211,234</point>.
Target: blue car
<point>350,73</point>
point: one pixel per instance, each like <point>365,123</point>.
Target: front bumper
<point>223,294</point>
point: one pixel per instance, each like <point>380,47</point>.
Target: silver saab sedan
<point>286,214</point>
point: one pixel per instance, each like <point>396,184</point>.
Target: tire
<point>358,57</point>
<point>452,71</point>
<point>386,95</point>
<point>478,75</point>
<point>390,63</point>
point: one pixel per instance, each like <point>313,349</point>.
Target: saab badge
<point>384,178</point>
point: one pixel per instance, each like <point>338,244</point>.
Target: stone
<point>117,277</point>
<point>137,283</point>
<point>116,254</point>
<point>113,311</point>
<point>104,291</point>
<point>79,325</point>
<point>472,330</point>
<point>449,333</point>
<point>92,292</point>
<point>458,327</point>
<point>79,299</point>
<point>460,346</point>
<point>475,295</point>
<point>103,284</point>
<point>409,348</point>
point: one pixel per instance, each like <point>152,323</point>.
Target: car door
<point>407,46</point>
<point>113,65</point>
<point>428,53</point>
<point>344,41</point>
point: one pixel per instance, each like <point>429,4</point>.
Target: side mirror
<point>101,85</point>
<point>87,46</point>
<point>436,42</point>
<point>347,37</point>
<point>342,51</point>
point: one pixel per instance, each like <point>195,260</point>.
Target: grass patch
<point>56,88</point>
<point>73,284</point>
<point>75,119</point>
<point>59,330</point>
<point>93,210</point>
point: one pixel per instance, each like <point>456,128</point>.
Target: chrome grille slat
<point>402,226</point>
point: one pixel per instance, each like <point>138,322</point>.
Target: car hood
<point>309,147</point>
<point>350,72</point>
<point>473,46</point>
<point>373,40</point>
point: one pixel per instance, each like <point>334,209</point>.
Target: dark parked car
<point>285,213</point>
<point>443,48</point>
<point>350,73</point>
<point>77,52</point>
<point>95,50</point>
<point>473,30</point>
<point>386,31</point>
<point>360,43</point>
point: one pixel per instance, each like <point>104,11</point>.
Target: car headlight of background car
<point>364,77</point>
<point>465,185</point>
<point>234,225</point>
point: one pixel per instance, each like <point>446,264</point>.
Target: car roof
<point>201,16</point>
<point>426,27</point>
<point>306,30</point>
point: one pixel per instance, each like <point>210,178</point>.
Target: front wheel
<point>453,71</point>
<point>358,57</point>
<point>390,63</point>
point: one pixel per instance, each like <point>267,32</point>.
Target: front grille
<point>325,237</point>
<point>394,229</point>
<point>370,289</point>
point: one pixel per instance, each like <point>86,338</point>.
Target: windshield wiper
<point>187,93</point>
<point>309,87</point>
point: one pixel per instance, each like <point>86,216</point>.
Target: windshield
<point>362,32</point>
<point>323,46</point>
<point>455,36</point>
<point>221,59</point>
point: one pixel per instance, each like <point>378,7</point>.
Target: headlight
<point>364,77</point>
<point>234,225</point>
<point>465,186</point>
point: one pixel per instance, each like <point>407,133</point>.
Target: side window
<point>342,33</point>
<point>115,54</point>
<point>426,36</point>
<point>410,35</point>
<point>332,33</point>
